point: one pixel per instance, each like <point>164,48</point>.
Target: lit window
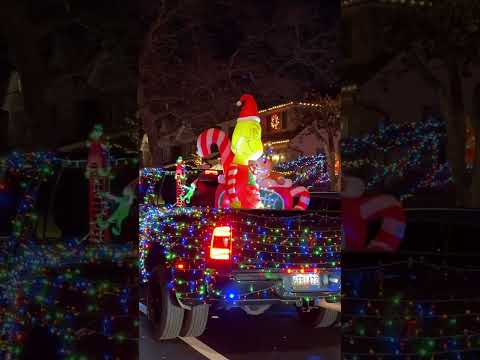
<point>275,122</point>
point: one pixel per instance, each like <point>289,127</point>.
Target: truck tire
<point>195,321</point>
<point>165,314</point>
<point>255,310</point>
<point>318,317</point>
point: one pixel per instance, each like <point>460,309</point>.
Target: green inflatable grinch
<point>121,212</point>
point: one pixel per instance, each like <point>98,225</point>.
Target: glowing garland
<point>25,270</point>
<point>421,3</point>
<point>391,136</point>
<point>31,275</point>
<point>150,178</point>
<point>398,326</point>
<point>419,143</point>
<point>265,243</point>
<point>308,171</point>
<point>30,171</point>
<point>19,159</point>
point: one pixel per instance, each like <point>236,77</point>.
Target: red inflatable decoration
<point>358,210</point>
<point>237,155</point>
<point>268,179</point>
<point>180,177</point>
<point>99,183</point>
<point>241,186</point>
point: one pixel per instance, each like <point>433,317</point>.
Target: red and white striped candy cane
<point>304,197</point>
<point>393,218</point>
<point>231,182</point>
<point>218,137</point>
<point>204,148</point>
<point>358,210</point>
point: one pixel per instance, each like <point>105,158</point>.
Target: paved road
<point>275,335</point>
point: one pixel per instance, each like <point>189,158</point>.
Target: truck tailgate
<point>272,239</point>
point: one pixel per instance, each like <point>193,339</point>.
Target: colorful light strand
<point>386,321</point>
<point>31,295</point>
<point>263,242</point>
<point>409,148</point>
<point>308,171</point>
<point>38,279</point>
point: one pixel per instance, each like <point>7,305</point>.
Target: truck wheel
<point>318,317</point>
<point>255,310</point>
<point>164,313</point>
<point>195,321</point>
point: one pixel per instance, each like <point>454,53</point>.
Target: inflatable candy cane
<point>215,136</point>
<point>204,149</point>
<point>358,210</point>
<point>303,197</point>
<point>246,146</point>
<point>276,183</point>
<point>234,175</point>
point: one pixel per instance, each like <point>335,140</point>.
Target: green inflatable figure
<point>190,190</point>
<point>121,212</point>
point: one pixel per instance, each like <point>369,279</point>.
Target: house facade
<point>285,134</point>
<point>375,81</point>
<point>73,112</point>
<point>386,89</point>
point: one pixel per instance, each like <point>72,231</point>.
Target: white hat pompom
<point>239,103</point>
<point>354,187</point>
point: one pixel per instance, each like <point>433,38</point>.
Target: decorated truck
<point>200,259</point>
<point>238,237</point>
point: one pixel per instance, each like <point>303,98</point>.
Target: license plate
<point>305,281</point>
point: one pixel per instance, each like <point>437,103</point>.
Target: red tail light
<point>221,245</point>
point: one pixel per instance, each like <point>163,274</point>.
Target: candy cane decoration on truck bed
<point>358,210</point>
<point>236,155</point>
<point>303,197</point>
<point>218,137</point>
<point>204,149</point>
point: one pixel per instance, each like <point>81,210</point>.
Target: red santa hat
<point>249,110</point>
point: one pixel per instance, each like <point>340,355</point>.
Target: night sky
<point>206,55</point>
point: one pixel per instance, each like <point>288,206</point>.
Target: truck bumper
<point>262,288</point>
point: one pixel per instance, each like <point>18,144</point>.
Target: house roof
<point>291,104</point>
<point>359,74</point>
<point>351,3</point>
<point>281,135</point>
<point>120,141</point>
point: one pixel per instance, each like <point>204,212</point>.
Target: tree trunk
<point>24,40</point>
<point>34,86</point>
<point>148,118</point>
<point>338,159</point>
<point>455,117</point>
<point>475,187</point>
<point>333,155</point>
<point>331,169</point>
<point>150,127</point>
<point>330,139</point>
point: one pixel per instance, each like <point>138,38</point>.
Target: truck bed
<point>266,244</point>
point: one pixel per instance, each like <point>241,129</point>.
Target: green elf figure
<point>121,212</point>
<point>190,190</point>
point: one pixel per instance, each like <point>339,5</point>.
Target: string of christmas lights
<point>265,243</point>
<point>39,277</point>
<point>411,262</point>
<point>390,325</point>
<point>34,296</point>
<point>30,171</point>
<point>411,147</point>
<point>21,160</point>
<point>308,171</point>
